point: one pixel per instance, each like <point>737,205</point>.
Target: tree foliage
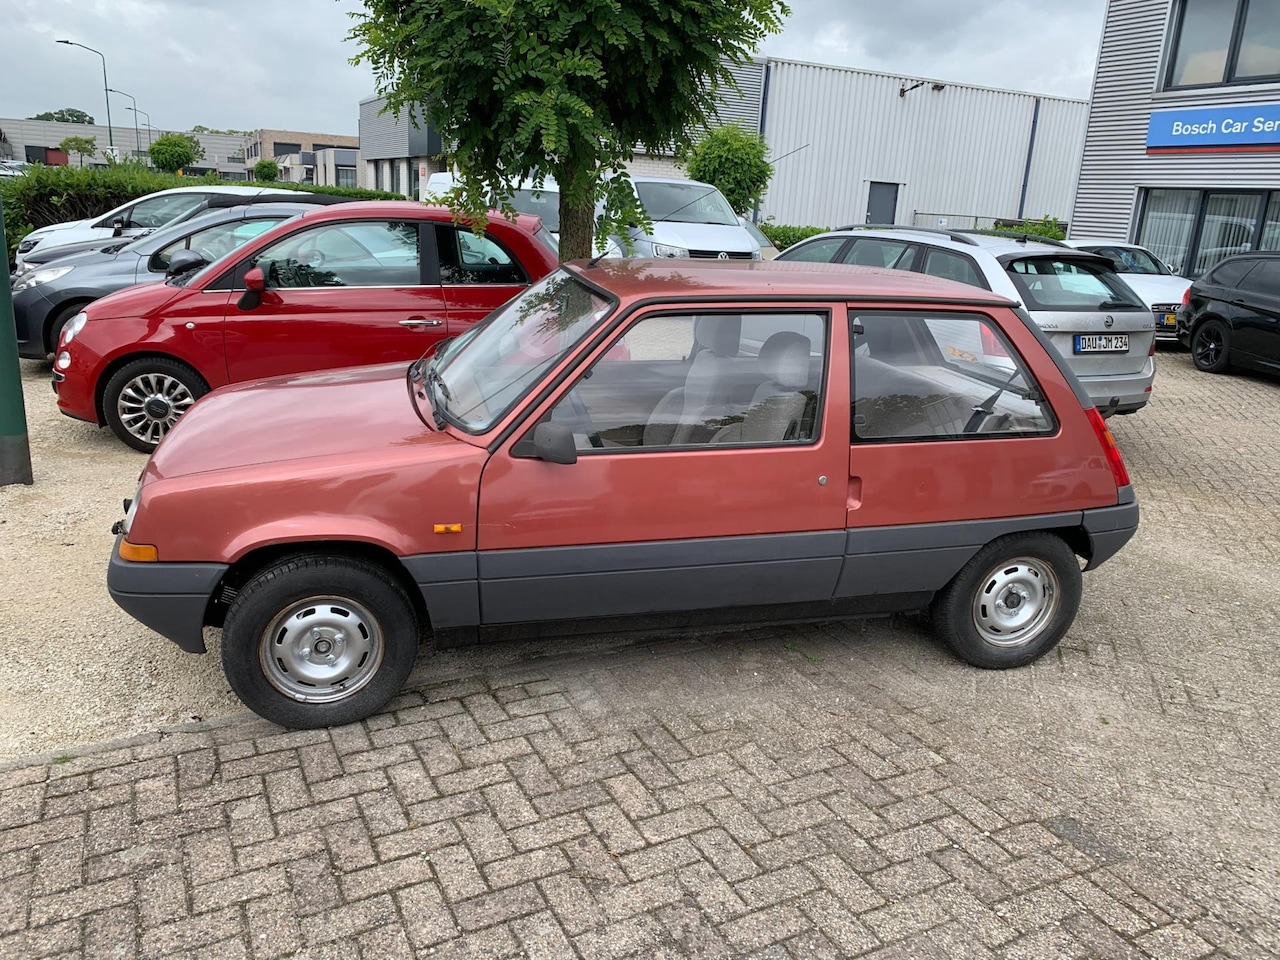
<point>733,159</point>
<point>266,170</point>
<point>81,146</point>
<point>172,152</point>
<point>65,115</point>
<point>561,88</point>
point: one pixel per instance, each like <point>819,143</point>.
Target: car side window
<point>953,266</point>
<point>214,242</point>
<point>360,254</point>
<point>874,252</point>
<point>703,380</point>
<point>825,250</point>
<point>467,258</point>
<point>940,376</point>
<point>158,211</point>
<point>1231,273</point>
<point>1264,279</point>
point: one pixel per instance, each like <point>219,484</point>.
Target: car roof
<point>760,279</point>
<point>221,188</point>
<point>961,241</point>
<point>409,210</point>
<point>1079,243</point>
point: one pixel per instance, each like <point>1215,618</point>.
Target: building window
<point>346,176</point>
<point>1225,41</point>
<point>1191,230</point>
<point>414,180</point>
<point>281,149</point>
<point>395,176</point>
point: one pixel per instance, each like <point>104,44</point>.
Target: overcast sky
<point>247,63</point>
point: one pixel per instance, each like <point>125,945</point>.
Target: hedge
<point>783,236</point>
<point>46,195</point>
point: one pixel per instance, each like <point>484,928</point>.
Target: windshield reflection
<point>487,370</point>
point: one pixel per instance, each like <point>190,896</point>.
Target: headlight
<point>37,277</point>
<point>74,326</point>
<point>662,250</point>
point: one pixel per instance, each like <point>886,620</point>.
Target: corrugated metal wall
<point>958,150</point>
<point>1125,92</point>
<point>382,135</point>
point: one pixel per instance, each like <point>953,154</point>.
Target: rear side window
<point>1265,278</point>
<point>921,376</point>
<point>1060,283</point>
<point>872,252</point>
<point>816,251</point>
<point>1230,274</point>
<point>467,258</point>
<point>953,266</point>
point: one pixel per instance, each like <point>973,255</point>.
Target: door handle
<point>421,322</point>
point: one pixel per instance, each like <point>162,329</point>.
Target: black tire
<point>53,330</point>
<point>180,385</point>
<point>1211,346</point>
<point>1037,569</point>
<point>269,630</point>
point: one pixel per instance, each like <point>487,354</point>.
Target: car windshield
<point>1131,260</point>
<point>1063,283</point>
<point>756,233</point>
<point>485,372</point>
<point>685,203</point>
<point>540,203</point>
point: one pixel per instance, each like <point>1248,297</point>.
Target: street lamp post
<point>146,123</point>
<point>137,140</point>
<point>105,86</point>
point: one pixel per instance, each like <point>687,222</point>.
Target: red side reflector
<point>991,345</point>
<point>1114,460</point>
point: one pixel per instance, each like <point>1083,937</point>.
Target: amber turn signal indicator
<point>448,528</point>
<point>138,552</point>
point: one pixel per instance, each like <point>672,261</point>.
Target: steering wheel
<point>314,258</point>
<point>584,419</point>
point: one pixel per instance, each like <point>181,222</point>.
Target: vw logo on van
<point>723,256</point>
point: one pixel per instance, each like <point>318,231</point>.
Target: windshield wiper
<point>1117,304</point>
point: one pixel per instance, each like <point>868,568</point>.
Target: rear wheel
<point>1210,346</point>
<point>144,399</point>
<point>1012,602</point>
<point>318,641</point>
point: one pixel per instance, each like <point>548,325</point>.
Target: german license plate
<point>1102,343</point>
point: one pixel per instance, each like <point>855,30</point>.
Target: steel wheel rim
<point>151,403</point>
<point>1208,346</point>
<point>1016,601</point>
<point>321,649</point>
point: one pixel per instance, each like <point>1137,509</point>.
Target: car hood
<point>131,301</point>
<point>718,237</point>
<point>122,262</point>
<point>1155,289</point>
<point>357,411</point>
<point>43,232</point>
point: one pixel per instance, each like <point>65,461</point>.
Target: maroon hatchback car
<point>728,442</point>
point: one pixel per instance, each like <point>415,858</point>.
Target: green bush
<point>47,195</point>
<point>266,170</point>
<point>782,236</point>
<point>733,160</point>
<point>1044,227</point>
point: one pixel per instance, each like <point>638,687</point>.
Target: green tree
<point>733,159</point>
<point>266,170</point>
<point>65,115</point>
<point>172,152</point>
<point>83,146</point>
<point>562,88</point>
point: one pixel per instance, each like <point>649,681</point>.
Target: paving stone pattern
<point>829,790</point>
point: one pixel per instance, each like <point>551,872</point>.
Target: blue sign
<point>1244,129</point>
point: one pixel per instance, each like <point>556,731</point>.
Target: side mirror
<point>254,283</point>
<point>553,442</point>
<point>117,226</point>
<point>184,260</point>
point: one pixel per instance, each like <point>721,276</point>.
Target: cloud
<point>248,64</point>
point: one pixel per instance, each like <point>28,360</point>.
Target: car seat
<point>777,408</point>
<point>688,414</point>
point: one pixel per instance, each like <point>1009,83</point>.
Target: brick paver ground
<point>828,790</point>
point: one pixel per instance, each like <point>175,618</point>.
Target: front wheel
<point>318,641</point>
<point>144,399</point>
<point>1210,346</point>
<point>1011,603</point>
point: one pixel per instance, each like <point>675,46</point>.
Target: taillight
<point>1114,460</point>
<point>991,345</point>
<point>1186,297</point>
<point>1152,351</point>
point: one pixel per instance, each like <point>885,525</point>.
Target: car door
<point>150,213</point>
<point>477,275</point>
<point>1255,313</point>
<point>706,476</point>
<point>339,293</point>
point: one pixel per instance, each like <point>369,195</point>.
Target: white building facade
<point>1183,146</point>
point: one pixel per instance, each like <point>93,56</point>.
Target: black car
<point>1231,316</point>
<point>48,294</point>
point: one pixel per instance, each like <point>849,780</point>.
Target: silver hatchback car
<point>1102,328</point>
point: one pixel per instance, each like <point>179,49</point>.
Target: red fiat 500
<point>775,440</point>
<point>349,284</point>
